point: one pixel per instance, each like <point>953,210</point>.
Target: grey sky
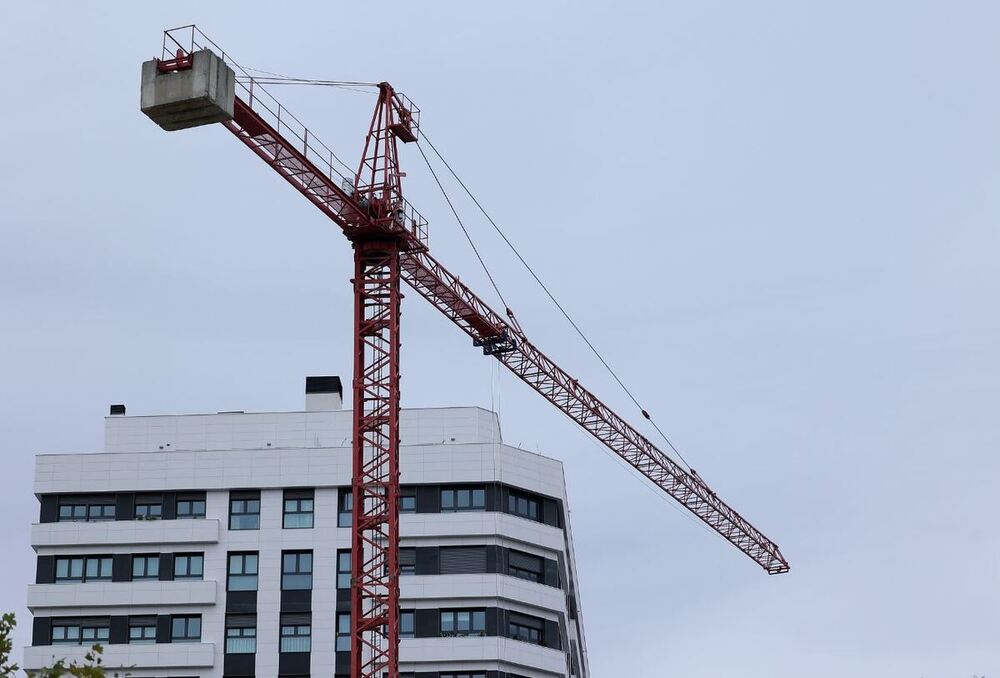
<point>777,219</point>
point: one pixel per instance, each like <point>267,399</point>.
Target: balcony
<point>159,656</point>
<point>122,594</point>
<point>134,532</point>
<point>419,652</point>
<point>458,589</point>
<point>481,524</point>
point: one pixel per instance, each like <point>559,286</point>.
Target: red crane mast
<point>390,244</point>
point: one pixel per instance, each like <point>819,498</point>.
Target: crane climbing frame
<point>390,239</point>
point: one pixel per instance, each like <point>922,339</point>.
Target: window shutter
<point>463,560</point>
<point>525,561</point>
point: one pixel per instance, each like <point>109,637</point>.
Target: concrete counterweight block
<point>199,95</point>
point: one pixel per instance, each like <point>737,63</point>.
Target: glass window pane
<point>447,499</point>
<point>464,499</point>
<point>177,627</point>
<point>479,498</point>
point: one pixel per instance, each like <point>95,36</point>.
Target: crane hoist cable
<point>527,266</point>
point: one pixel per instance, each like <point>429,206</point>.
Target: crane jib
<point>300,160</point>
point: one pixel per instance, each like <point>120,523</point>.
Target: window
<point>521,505</point>
<point>87,510</point>
<point>343,643</point>
<point>241,634</point>
<point>83,569</point>
<point>146,566</point>
<point>463,622</point>
<point>463,559</point>
<point>142,630</point>
<point>81,631</point>
<point>408,501</point>
<point>406,624</point>
<point>185,628</point>
<point>296,570</point>
<point>190,506</point>
<point>468,499</point>
<point>298,509</point>
<point>478,674</point>
<point>244,510</point>
<point>528,629</point>
<point>526,566</point>
<point>296,633</point>
<point>72,512</point>
<point>343,569</point>
<point>242,572</point>
<point>407,561</point>
<point>345,502</point>
<point>189,565</point>
<point>148,508</point>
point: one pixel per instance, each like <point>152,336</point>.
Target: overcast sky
<point>778,220</point>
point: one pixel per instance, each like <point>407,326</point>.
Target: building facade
<point>219,545</point>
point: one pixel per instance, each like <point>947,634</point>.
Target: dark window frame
<point>146,559</point>
<point>463,499</point>
<point>300,560</point>
<point>244,507</point>
<point>190,507</point>
<point>453,617</point>
<point>526,628</point>
<point>341,635</point>
<point>85,561</point>
<point>239,628</point>
<point>524,506</point>
<point>146,627</point>
<point>297,634</point>
<point>297,500</point>
<point>100,629</point>
<point>189,558</point>
<point>341,572</point>
<point>242,572</point>
<point>188,621</point>
<point>345,507</point>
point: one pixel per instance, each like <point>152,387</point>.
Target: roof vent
<point>324,393</point>
<point>117,410</point>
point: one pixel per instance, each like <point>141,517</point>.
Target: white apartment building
<point>219,545</point>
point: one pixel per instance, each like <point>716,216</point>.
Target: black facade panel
<point>49,510</point>
<point>550,513</point>
<point>495,559</point>
<point>241,602</point>
<point>296,601</point>
<point>45,570</point>
<point>426,623</point>
<point>119,630</point>
<point>324,384</point>
<point>493,620</point>
<point>121,567</point>
<point>494,497</point>
<point>343,600</point>
<point>163,628</point>
<point>428,560</point>
<point>551,635</point>
<point>342,663</point>
<point>239,665</point>
<point>41,631</point>
<point>169,510</point>
<point>551,573</point>
<point>166,567</point>
<point>293,663</point>
<point>124,506</point>
<point>428,499</point>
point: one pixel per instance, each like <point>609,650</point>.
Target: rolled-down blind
<point>463,560</point>
<point>526,561</point>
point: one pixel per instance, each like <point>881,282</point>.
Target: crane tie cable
<point>464,230</point>
<point>645,413</point>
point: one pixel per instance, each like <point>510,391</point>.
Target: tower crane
<point>195,82</point>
